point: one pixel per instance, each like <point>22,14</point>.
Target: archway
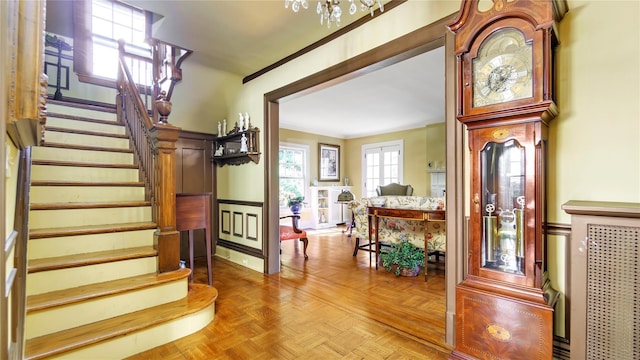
<point>422,40</point>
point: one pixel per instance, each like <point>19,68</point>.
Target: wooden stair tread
<point>89,205</point>
<point>86,183</point>
<point>198,298</point>
<point>98,257</point>
<point>84,118</point>
<point>96,290</point>
<point>83,164</point>
<point>86,132</point>
<point>89,229</point>
<point>86,147</point>
<point>83,104</point>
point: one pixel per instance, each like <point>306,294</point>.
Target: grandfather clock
<point>504,48</point>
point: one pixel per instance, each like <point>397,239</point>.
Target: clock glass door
<point>503,186</point>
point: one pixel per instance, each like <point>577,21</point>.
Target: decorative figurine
<point>246,121</point>
<point>219,129</point>
<point>224,127</point>
<point>240,121</point>
<point>243,144</point>
<point>219,151</point>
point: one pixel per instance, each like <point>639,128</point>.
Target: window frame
<point>83,42</point>
<point>306,168</point>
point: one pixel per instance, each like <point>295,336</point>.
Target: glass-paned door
<point>382,165</point>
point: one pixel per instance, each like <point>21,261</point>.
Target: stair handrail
<point>154,149</point>
<point>133,113</point>
<point>167,60</point>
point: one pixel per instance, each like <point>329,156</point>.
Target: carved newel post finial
<point>163,106</point>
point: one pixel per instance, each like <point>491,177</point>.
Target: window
<point>294,171</point>
<point>102,24</point>
<point>381,164</point>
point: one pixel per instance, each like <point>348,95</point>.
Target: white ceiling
<point>243,37</point>
<point>406,95</point>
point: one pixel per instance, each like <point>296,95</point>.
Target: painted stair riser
<point>52,280</point>
<point>48,321</point>
<point>80,244</point>
<point>86,140</point>
<point>86,113</point>
<point>74,194</point>
<point>114,128</point>
<point>149,338</point>
<point>60,154</point>
<point>87,174</point>
<point>45,219</point>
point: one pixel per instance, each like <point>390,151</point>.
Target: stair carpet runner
<point>92,286</point>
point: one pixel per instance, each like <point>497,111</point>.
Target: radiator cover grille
<point>613,289</point>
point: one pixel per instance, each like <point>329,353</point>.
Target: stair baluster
<point>154,148</point>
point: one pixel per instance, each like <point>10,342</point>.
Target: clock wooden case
<point>505,67</point>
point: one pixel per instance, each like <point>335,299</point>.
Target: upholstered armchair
<point>394,189</point>
<point>360,227</point>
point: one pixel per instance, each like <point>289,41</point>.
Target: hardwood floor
<point>332,306</point>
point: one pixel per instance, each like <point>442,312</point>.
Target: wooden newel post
<point>167,238</point>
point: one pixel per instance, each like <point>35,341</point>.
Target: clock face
<point>502,71</point>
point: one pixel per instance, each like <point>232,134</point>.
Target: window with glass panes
<point>293,172</point>
<point>111,21</point>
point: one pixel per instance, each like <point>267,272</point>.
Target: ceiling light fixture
<point>295,4</point>
<point>330,11</point>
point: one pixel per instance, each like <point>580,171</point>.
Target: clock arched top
<point>526,30</point>
<point>472,20</point>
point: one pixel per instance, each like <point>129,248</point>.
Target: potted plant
<point>403,258</point>
<point>295,203</point>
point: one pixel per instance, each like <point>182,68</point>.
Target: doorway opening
<point>420,41</point>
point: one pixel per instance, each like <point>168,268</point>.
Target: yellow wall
<point>595,141</point>
<point>204,97</point>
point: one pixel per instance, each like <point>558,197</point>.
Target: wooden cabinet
<point>325,209</point>
<point>237,147</point>
<point>504,306</point>
<point>195,173</point>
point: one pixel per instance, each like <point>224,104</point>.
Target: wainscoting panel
<point>240,226</point>
<point>237,224</point>
<point>558,240</point>
<point>225,222</point>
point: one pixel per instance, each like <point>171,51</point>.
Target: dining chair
<point>293,232</point>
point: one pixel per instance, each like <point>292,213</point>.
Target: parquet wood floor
<point>332,306</point>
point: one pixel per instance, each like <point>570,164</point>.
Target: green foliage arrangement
<point>295,199</point>
<point>403,254</point>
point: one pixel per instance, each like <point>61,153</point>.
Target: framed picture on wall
<point>329,162</point>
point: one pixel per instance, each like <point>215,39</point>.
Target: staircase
<point>93,290</point>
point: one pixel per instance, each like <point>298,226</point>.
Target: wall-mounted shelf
<point>227,150</point>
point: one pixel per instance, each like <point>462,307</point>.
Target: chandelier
<point>330,11</point>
